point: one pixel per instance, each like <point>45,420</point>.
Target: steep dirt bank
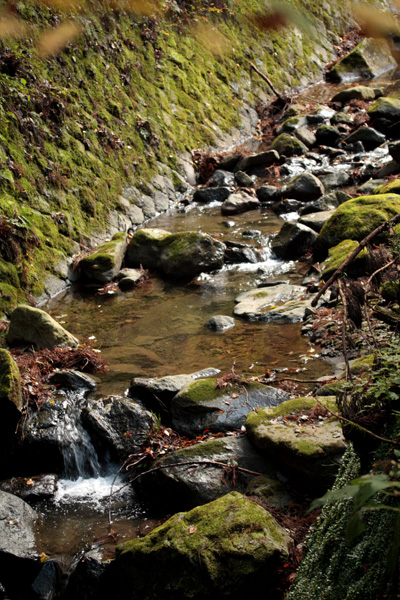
<point>118,106</point>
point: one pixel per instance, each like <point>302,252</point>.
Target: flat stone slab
<point>283,303</point>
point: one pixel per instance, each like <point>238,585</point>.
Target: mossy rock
<point>358,92</point>
<point>355,219</point>
<point>338,254</point>
<point>392,187</point>
<point>270,490</point>
<point>29,325</point>
<point>203,405</point>
<point>10,381</point>
<point>106,261</point>
<point>311,451</point>
<point>144,248</point>
<point>370,58</point>
<point>228,548</point>
<point>390,291</point>
<point>11,292</point>
<point>386,108</point>
<point>288,145</point>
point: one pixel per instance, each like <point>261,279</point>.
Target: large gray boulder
<point>238,203</point>
<point>177,255</point>
<point>293,240</point>
<point>19,556</point>
<point>190,481</point>
<point>282,303</point>
<point>385,113</point>
<point>263,159</point>
<point>203,405</point>
<point>369,137</point>
<point>305,187</point>
<point>118,425</point>
<point>316,220</point>
<point>371,57</point>
<point>358,92</point>
<point>29,325</point>
<point>228,548</point>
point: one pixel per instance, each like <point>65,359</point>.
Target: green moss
<point>10,380</point>
<point>356,218</point>
<point>390,291</point>
<point>392,187</point>
<point>202,390</point>
<point>338,254</point>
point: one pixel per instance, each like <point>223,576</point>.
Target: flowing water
<point>159,329</point>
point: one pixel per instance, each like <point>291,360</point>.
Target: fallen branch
<point>353,254</point>
<point>252,66</point>
<point>344,322</point>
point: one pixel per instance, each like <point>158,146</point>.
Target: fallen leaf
<point>192,528</point>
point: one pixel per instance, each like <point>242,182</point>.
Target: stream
<point>158,329</point>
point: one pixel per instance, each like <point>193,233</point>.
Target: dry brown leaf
<point>192,528</point>
<point>11,27</point>
<point>212,39</point>
<point>54,40</point>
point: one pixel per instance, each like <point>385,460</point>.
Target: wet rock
<point>30,325</point>
<point>292,124</point>
<point>288,145</point>
<point>384,113</point>
<point>371,57</point>
<point>312,452</point>
<point>263,159</point>
<point>190,485</point>
<point>32,489</point>
<point>177,255</point>
<point>341,117</point>
<point>327,202</point>
<point>356,218</point>
<point>88,579</point>
<point>293,240</point>
<point>118,425</point>
<point>328,135</point>
<point>202,405</point>
<point>270,490</point>
<point>153,391</point>
<point>369,137</point>
<point>128,283</point>
<point>336,179</point>
<point>133,273</point>
<point>216,194</point>
<point>19,556</point>
<point>316,220</point>
<point>104,263</point>
<point>236,253</point>
<point>242,548</point>
<point>305,187</point>
<point>320,115</point>
<point>220,323</point>
<point>238,203</point>
<point>394,151</point>
<point>306,136</point>
<point>229,161</point>
<point>47,582</point>
<point>391,168</point>
<point>220,178</point>
<point>369,187</point>
<point>72,380</point>
<point>243,180</point>
<point>286,206</point>
<point>359,92</point>
<point>281,303</point>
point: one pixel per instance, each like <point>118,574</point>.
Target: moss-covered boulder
<point>29,325</point>
<point>338,254</point>
<point>11,405</point>
<point>327,135</point>
<point>186,485</point>
<point>369,58</point>
<point>177,255</point>
<point>270,490</point>
<point>10,381</point>
<point>10,289</point>
<point>203,405</point>
<point>311,448</point>
<point>391,187</point>
<point>228,548</point>
<point>288,145</point>
<point>282,303</point>
<point>356,218</point>
<point>106,261</point>
<point>358,92</point>
<point>390,291</point>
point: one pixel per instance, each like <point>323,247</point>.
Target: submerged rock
<point>228,548</point>
<point>187,485</point>
<point>310,447</point>
<point>202,405</point>
<point>220,323</point>
<point>30,325</point>
<point>283,303</point>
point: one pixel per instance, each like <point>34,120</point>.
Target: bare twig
<point>344,321</point>
<point>266,79</point>
<point>389,264</point>
<point>353,254</point>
